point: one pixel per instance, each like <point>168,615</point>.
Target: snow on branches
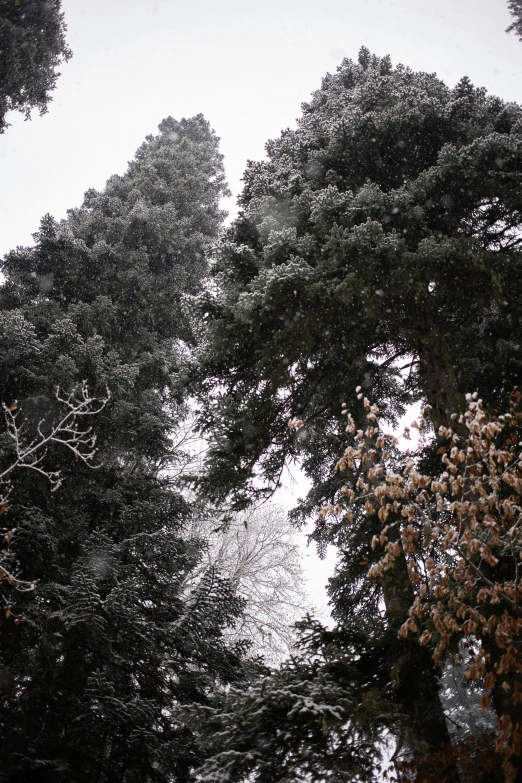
<point>70,429</point>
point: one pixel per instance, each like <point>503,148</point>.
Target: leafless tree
<point>259,551</point>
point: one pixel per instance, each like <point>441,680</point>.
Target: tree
<point>71,431</point>
<point>387,223</point>
<point>455,532</point>
<point>377,243</point>
<point>258,550</point>
<point>314,718</point>
<point>124,624</point>
<point>33,46</point>
<point>259,553</point>
<point>515,9</point>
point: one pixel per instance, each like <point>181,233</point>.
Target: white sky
<point>247,65</point>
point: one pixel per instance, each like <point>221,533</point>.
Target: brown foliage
<point>470,760</point>
<point>460,530</point>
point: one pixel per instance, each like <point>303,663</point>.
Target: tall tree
<point>381,235</point>
<point>32,46</point>
<point>123,624</point>
<point>386,223</point>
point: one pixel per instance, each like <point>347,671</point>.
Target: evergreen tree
<point>32,46</point>
<point>383,229</point>
<point>123,625</point>
<point>380,236</point>
<point>515,9</point>
<point>316,718</point>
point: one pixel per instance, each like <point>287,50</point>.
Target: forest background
<point>49,246</point>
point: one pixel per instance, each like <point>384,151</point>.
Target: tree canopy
<point>32,41</point>
<point>382,232</point>
<point>123,624</point>
<point>377,253</point>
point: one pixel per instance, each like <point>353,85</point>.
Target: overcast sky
<point>247,65</point>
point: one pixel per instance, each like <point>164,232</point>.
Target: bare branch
<point>69,431</point>
<point>77,405</point>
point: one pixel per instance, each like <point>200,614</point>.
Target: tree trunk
<point>439,380</point>
<point>502,693</point>
<point>415,672</point>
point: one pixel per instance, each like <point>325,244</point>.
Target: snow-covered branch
<point>68,431</point>
<point>71,429</point>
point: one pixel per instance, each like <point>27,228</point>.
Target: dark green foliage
<point>119,631</point>
<point>124,623</point>
<point>378,246</point>
<point>32,46</point>
<point>105,288</point>
<point>314,719</point>
<point>135,249</point>
<point>515,9</point>
<point>384,228</point>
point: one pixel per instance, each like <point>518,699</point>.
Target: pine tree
<point>122,625</point>
<point>379,237</point>
<point>316,718</point>
<point>515,9</point>
<point>32,46</point>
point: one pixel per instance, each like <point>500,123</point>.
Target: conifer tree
<point>32,46</point>
<point>383,229</point>
<point>378,244</point>
<point>315,718</point>
<point>122,625</point>
<point>515,9</point>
